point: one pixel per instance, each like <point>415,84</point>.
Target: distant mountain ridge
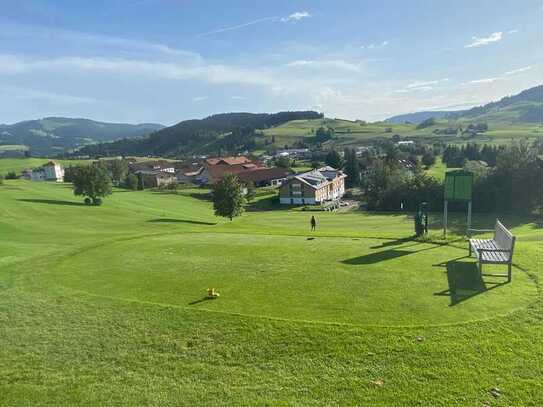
<point>55,135</point>
<point>219,132</point>
<point>525,107</point>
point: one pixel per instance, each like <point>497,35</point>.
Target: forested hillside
<point>228,131</point>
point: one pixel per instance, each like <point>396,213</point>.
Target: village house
<point>154,165</point>
<point>155,173</point>
<point>313,187</point>
<point>248,171</point>
<point>152,179</point>
<point>51,171</point>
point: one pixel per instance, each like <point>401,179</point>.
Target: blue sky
<point>169,60</point>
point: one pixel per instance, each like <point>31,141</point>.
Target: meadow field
<point>106,305</point>
<point>349,133</point>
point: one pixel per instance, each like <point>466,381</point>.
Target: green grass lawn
<point>105,305</point>
<point>19,164</point>
<point>439,169</point>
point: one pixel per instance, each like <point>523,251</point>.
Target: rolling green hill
<point>54,135</point>
<point>514,117</point>
<point>525,107</point>
<point>209,135</point>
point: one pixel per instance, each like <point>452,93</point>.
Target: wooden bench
<point>498,250</point>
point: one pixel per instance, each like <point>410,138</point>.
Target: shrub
<point>131,182</point>
<point>12,175</point>
<point>97,201</point>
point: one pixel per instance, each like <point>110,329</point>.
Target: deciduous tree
<point>228,199</point>
<point>92,181</point>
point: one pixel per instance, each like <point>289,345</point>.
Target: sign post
<point>458,188</point>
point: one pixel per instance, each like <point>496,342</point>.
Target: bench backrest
<point>503,237</point>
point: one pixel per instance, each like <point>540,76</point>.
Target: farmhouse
<point>155,165</point>
<point>153,179</point>
<point>247,170</point>
<point>52,171</point>
<point>313,187</point>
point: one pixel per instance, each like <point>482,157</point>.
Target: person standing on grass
<point>313,224</point>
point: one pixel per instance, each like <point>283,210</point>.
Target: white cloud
<point>297,16</point>
<point>27,94</point>
<point>238,98</point>
<point>481,42</point>
<point>199,99</point>
<point>421,84</point>
<point>482,81</point>
<point>325,64</point>
<point>238,26</point>
<point>294,17</point>
<point>212,73</point>
<point>44,37</point>
<point>519,70</point>
<point>512,31</point>
<point>373,46</point>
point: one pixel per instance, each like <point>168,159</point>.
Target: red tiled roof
<point>228,160</point>
<point>263,174</point>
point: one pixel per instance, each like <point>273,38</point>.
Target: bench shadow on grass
<point>465,281</point>
<point>378,257</point>
<point>53,202</point>
<point>192,222</point>
<point>385,255</point>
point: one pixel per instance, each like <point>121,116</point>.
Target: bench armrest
<point>495,250</point>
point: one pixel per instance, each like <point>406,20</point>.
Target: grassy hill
<point>54,135</point>
<point>220,132</point>
<point>351,133</point>
<point>525,107</point>
<point>105,305</point>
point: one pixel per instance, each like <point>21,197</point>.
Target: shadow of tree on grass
<point>193,222</point>
<point>53,202</point>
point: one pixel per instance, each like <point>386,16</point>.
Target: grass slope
<point>103,305</point>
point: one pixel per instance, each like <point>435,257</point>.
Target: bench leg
<point>469,248</point>
<point>480,267</point>
<point>509,274</point>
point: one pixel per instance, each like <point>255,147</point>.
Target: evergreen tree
<point>141,182</point>
<point>352,169</point>
<point>228,199</point>
<point>251,192</point>
<point>428,158</point>
<point>334,160</point>
<point>119,170</point>
<point>131,182</point>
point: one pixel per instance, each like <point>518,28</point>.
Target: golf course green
<point>107,304</point>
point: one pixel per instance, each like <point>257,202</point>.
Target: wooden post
<point>469,216</point>
<point>445,208</point>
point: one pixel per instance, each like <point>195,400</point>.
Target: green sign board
<point>458,185</point>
